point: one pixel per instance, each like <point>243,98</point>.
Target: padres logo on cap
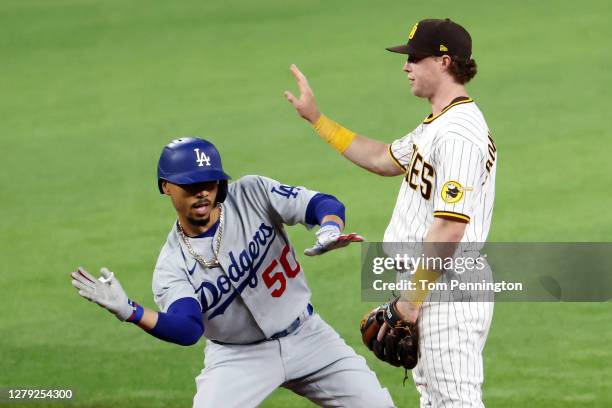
<point>414,28</point>
<point>452,191</point>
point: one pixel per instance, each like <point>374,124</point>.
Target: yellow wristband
<point>420,278</point>
<point>333,133</point>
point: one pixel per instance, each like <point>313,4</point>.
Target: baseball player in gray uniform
<point>228,271</point>
<point>448,163</point>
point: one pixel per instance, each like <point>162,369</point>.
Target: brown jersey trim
<point>452,216</point>
<point>457,101</point>
<point>395,161</point>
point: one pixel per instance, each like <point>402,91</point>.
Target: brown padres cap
<point>437,37</point>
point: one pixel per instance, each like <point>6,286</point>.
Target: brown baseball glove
<point>400,345</point>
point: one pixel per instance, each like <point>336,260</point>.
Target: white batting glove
<point>329,237</point>
<point>106,291</point>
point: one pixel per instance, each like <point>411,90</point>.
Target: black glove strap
<point>392,318</point>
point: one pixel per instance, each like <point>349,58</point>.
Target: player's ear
<point>445,60</point>
<point>165,188</point>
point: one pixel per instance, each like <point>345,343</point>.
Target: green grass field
<point>92,90</point>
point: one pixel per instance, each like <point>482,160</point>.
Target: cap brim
<point>200,177</point>
<point>192,177</point>
<point>400,49</point>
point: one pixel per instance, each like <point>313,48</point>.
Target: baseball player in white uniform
<point>228,271</point>
<point>448,165</point>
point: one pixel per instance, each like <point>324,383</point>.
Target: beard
<point>202,222</point>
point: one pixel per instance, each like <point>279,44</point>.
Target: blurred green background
<point>90,91</point>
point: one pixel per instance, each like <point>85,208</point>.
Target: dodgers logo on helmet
<point>191,160</point>
<point>201,158</point>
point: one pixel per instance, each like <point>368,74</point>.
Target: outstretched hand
<point>106,291</point>
<point>305,105</point>
<point>329,238</point>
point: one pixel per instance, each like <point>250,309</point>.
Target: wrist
<point>333,133</point>
<point>331,224</point>
<point>409,305</point>
<point>137,312</point>
<point>420,289</point>
<point>315,118</point>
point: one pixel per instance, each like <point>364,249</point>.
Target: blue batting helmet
<point>191,160</point>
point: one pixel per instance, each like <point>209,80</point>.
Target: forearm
<point>442,238</point>
<point>177,329</point>
<point>372,155</point>
<point>182,324</point>
<point>440,242</point>
<point>447,232</point>
<point>149,319</point>
<point>369,154</point>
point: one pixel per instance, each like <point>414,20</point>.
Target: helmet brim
<point>193,177</point>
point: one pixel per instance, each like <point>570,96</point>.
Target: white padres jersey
<point>449,162</point>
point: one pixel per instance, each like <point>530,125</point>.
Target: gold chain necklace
<point>213,263</point>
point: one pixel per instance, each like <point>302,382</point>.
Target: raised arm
<point>370,154</point>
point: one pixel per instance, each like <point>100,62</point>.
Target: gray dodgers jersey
<point>260,287</point>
